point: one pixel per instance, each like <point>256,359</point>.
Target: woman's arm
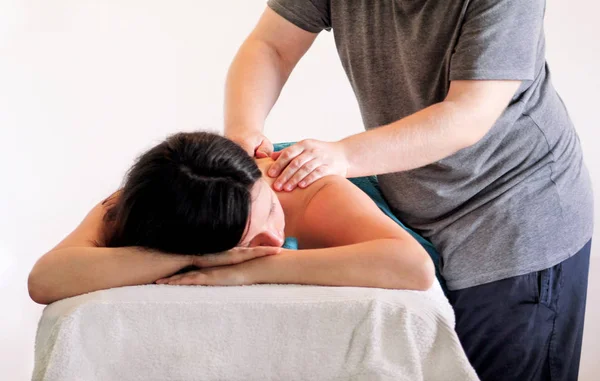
<point>363,246</point>
<point>77,265</point>
<point>350,243</point>
<point>378,263</point>
<point>384,263</point>
<point>74,271</point>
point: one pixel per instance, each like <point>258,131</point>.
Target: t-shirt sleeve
<point>498,40</point>
<point>310,15</point>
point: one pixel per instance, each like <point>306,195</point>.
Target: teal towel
<point>290,243</point>
<point>370,186</point>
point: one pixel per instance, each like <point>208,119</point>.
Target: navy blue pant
<point>528,327</point>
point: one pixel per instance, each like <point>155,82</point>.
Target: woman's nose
<point>276,238</point>
<point>270,238</point>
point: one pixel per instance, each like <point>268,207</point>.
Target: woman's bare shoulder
<point>340,213</point>
<point>92,230</point>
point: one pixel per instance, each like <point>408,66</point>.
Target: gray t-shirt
<point>519,200</point>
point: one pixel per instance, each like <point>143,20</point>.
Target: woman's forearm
<point>77,270</point>
<point>384,263</point>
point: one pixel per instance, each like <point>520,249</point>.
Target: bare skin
<point>263,65</point>
<point>334,250</point>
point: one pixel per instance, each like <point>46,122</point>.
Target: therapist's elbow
<point>473,107</point>
<point>465,123</point>
<point>473,135</point>
<point>470,132</point>
<point>471,124</point>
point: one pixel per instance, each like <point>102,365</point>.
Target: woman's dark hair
<point>189,194</point>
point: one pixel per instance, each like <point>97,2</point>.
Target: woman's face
<point>266,221</point>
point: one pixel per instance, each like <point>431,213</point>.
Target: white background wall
<point>86,85</point>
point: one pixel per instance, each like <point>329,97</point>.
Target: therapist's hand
<point>307,161</point>
<point>256,145</point>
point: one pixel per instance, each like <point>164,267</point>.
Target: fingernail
<point>288,187</point>
<point>302,184</point>
<point>277,185</point>
<point>272,172</point>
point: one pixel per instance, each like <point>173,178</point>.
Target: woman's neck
<point>293,203</point>
<point>264,165</point>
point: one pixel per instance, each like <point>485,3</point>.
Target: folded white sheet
<point>261,332</point>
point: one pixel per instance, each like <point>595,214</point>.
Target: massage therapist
<point>472,147</point>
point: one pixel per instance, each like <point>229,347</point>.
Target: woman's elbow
<point>425,275</point>
<point>38,288</point>
<point>36,291</point>
<point>418,273</point>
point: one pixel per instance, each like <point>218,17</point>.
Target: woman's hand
<point>233,256</point>
<point>222,269</point>
<point>307,161</point>
<point>232,275</point>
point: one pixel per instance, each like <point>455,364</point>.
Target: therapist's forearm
<point>254,82</point>
<point>422,138</point>
<point>468,112</point>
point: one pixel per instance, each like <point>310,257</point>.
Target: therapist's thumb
<point>265,149</point>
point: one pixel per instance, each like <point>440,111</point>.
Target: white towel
<point>261,332</point>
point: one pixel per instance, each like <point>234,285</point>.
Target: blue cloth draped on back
<point>370,186</point>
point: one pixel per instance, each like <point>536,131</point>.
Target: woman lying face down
<point>198,201</point>
<point>195,193</point>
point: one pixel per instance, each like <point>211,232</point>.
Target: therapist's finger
<point>300,175</point>
<point>295,166</point>
<point>265,149</point>
<point>285,157</point>
<point>313,176</point>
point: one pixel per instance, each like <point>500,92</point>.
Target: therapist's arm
<point>469,111</point>
<point>257,75</point>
